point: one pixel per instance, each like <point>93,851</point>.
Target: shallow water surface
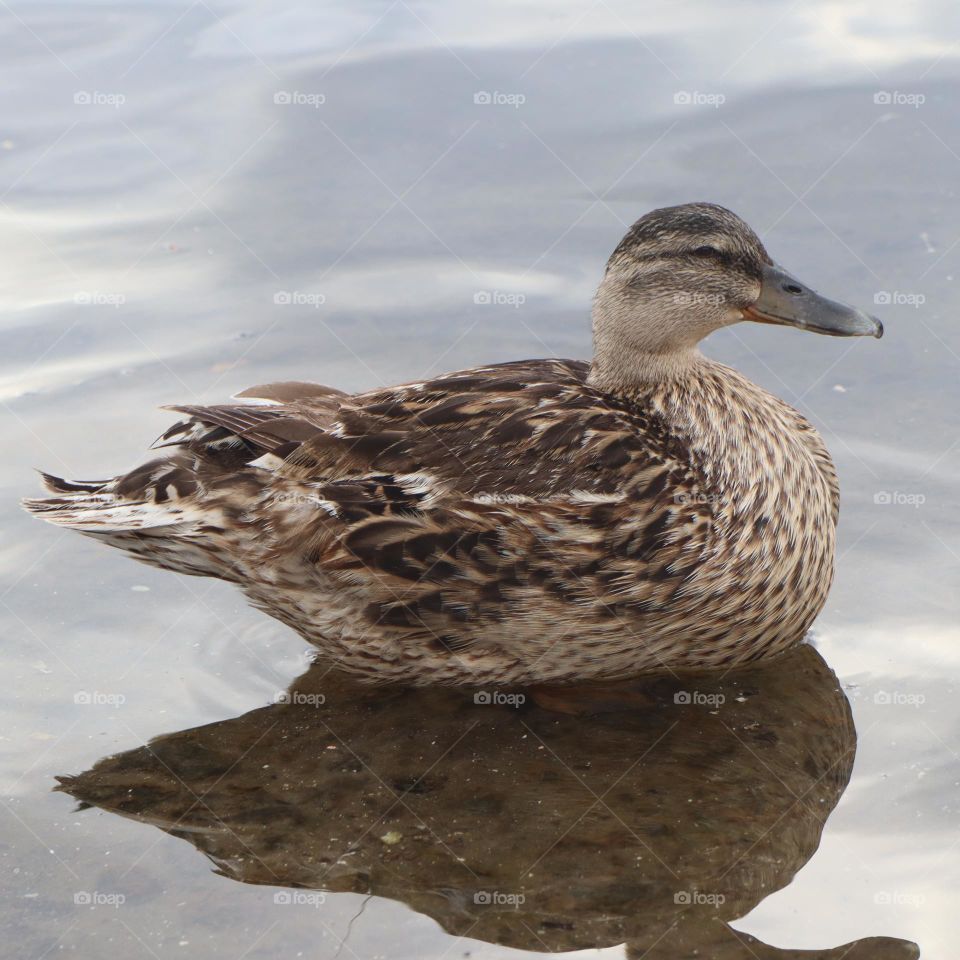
<point>197,198</point>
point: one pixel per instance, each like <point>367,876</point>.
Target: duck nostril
<point>793,288</point>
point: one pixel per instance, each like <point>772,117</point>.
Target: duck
<point>530,522</point>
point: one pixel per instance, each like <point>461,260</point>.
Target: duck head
<point>682,272</point>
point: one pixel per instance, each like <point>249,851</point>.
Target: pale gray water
<point>148,233</point>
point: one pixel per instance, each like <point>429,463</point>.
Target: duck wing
<point>460,494</point>
<point>532,429</point>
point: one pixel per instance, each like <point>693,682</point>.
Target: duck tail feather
<point>59,485</point>
<point>99,511</point>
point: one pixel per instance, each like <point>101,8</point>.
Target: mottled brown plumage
<point>539,521</point>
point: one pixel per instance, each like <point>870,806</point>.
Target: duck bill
<point>785,300</point>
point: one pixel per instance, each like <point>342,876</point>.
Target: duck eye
<point>706,251</point>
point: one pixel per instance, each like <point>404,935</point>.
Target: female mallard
<point>539,521</point>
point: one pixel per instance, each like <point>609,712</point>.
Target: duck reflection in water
<point>671,808</point>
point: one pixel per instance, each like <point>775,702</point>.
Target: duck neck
<point>640,346</point>
<point>632,374</point>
